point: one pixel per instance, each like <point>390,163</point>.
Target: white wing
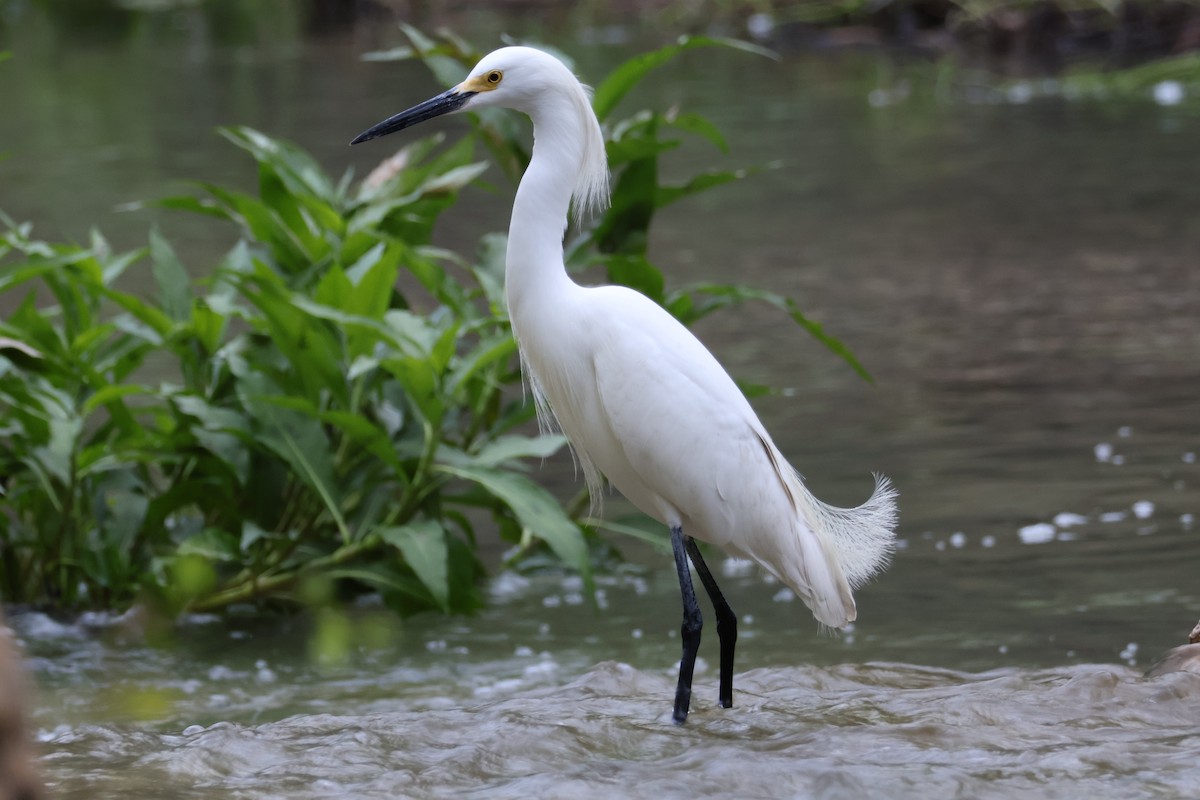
<point>693,453</point>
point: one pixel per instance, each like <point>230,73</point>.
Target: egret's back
<point>646,405</point>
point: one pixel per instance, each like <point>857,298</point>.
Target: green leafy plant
<point>317,421</point>
<point>371,420</point>
<point>72,463</point>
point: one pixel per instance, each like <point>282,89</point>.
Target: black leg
<point>726,622</point>
<point>692,622</point>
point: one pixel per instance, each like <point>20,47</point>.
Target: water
<point>525,701</point>
<point>875,730</point>
<point>1020,279</point>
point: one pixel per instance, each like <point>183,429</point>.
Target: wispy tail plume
<point>862,538</point>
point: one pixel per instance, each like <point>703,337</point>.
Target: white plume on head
<point>591,194</point>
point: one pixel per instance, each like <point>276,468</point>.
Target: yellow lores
<point>482,83</point>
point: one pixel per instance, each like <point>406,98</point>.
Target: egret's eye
<point>494,77</point>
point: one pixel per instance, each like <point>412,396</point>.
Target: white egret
<point>640,399</point>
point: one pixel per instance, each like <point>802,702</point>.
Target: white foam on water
<point>1038,533</point>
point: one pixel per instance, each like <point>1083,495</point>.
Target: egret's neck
<point>534,263</point>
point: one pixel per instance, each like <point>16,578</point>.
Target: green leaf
<point>423,545</point>
<point>299,172</point>
<point>665,195</point>
<point>341,318</point>
<point>264,226</point>
<point>622,79</point>
<point>366,434</point>
<point>7,343</point>
<point>333,288</point>
<point>624,227</point>
<point>173,283</point>
<point>313,349</point>
<point>645,529</point>
<point>43,264</point>
<point>373,279</point>
<point>224,432</point>
<point>307,451</point>
<point>390,582</point>
<point>35,328</point>
<point>229,448</point>
<point>720,295</point>
<point>121,514</point>
<point>446,68</point>
<point>209,323</point>
<point>195,205</point>
<point>454,179</point>
<point>637,273</point>
<point>115,266</point>
<point>392,54</point>
<point>502,449</point>
<point>535,508</point>
<point>212,544</point>
<point>701,126</point>
<point>420,383</point>
<point>753,390</point>
<point>487,352</point>
<point>143,312</point>
<point>299,440</point>
<point>635,148</point>
<point>212,417</point>
<point>113,393</point>
<point>416,333</point>
<point>57,455</point>
<point>176,501</point>
<point>398,174</point>
<point>290,209</point>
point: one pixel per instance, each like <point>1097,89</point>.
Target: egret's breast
<point>559,349</point>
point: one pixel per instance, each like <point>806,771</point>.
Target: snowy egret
<point>642,402</point>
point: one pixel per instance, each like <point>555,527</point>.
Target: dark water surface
<point>1017,269</point>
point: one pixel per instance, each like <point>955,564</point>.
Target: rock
<point>19,778</point>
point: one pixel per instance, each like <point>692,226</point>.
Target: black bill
<point>444,103</point>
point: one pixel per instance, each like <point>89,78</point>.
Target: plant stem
<point>413,495</point>
<point>258,586</point>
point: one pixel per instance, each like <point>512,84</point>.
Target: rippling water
<point>852,731</point>
<point>520,702</point>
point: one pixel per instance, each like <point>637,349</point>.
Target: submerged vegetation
<point>335,406</point>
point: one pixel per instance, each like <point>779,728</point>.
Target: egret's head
<point>511,77</point>
<point>538,84</point>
